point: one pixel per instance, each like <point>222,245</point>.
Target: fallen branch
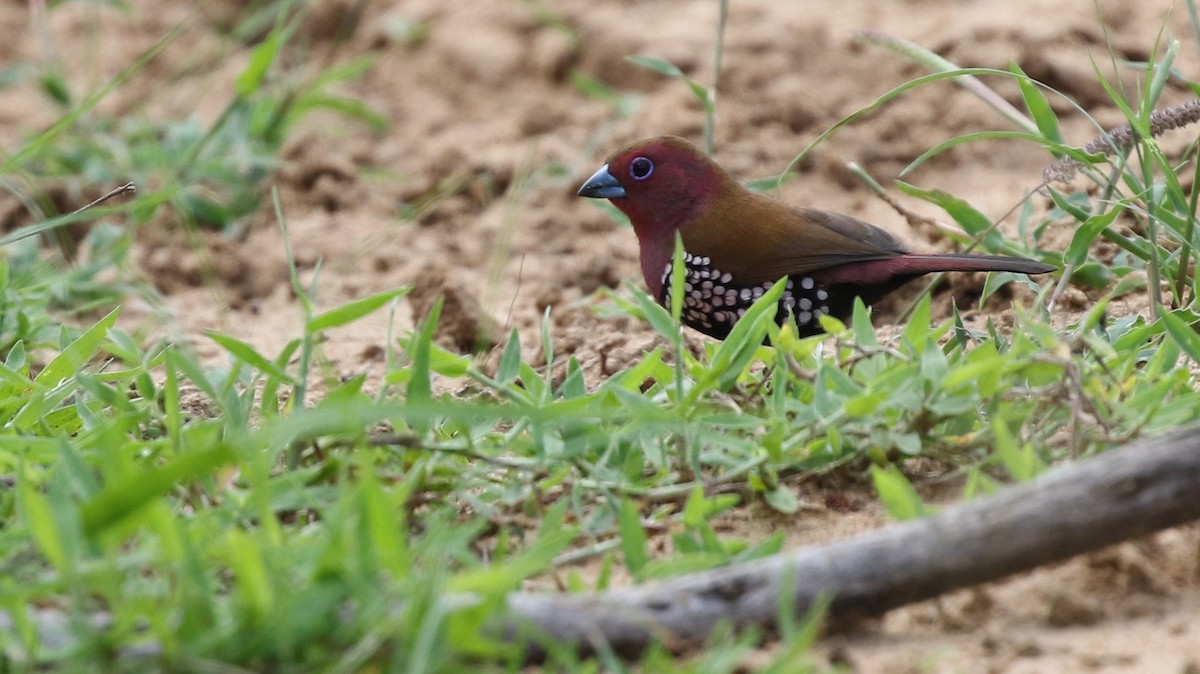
<point>1126,493</point>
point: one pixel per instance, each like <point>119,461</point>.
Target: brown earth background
<point>469,193</point>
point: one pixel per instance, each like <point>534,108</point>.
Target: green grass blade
<point>352,311</point>
<point>246,353</point>
<point>1182,333</point>
<point>71,359</point>
<point>120,499</point>
<point>633,537</point>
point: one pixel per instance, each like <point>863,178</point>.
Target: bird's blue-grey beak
<point>602,185</point>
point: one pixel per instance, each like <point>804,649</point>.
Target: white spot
<point>758,292</point>
<point>790,284</point>
<point>806,283</point>
<point>822,295</point>
<point>707,285</point>
<point>718,301</point>
<point>745,294</point>
<point>687,285</point>
<point>741,312</point>
<point>824,308</point>
<point>719,290</point>
<point>726,277</point>
<point>789,302</point>
<point>767,285</point>
<point>804,317</point>
<point>805,303</point>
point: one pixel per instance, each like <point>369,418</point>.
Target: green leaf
<point>252,76</point>
<point>191,369</point>
<point>678,278</point>
<point>72,358</point>
<point>864,332</point>
<point>633,536</point>
<point>347,107</point>
<point>1020,462</point>
<point>1057,149</point>
<point>862,405</point>
<point>917,331</point>
<point>973,222</point>
<point>253,581</point>
<point>702,94</point>
<point>510,360</point>
<point>420,385</point>
<point>897,493</point>
<point>658,317</point>
<point>55,84</point>
<point>1037,105</point>
<point>40,520</point>
<point>781,499</point>
<point>1182,333</point>
<point>1070,204</point>
<point>1085,235</point>
<point>348,313</point>
<point>694,510</point>
<point>121,499</point>
<point>246,353</point>
<point>658,65</point>
<point>743,341</point>
<point>447,363</point>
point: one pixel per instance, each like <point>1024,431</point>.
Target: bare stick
<point>116,191</point>
<point>1126,493</point>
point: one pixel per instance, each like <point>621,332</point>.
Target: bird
<point>738,243</point>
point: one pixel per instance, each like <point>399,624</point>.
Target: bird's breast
<point>714,299</point>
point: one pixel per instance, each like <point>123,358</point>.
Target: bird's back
<point>760,239</point>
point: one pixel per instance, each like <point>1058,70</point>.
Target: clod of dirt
<point>979,606</point>
<point>1071,610</point>
<point>318,178</point>
<point>492,54</point>
<point>464,325</point>
<point>1126,569</point>
<point>1028,649</point>
<point>553,53</point>
<point>372,353</point>
<point>333,20</point>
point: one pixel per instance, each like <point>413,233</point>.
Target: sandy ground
<point>469,193</point>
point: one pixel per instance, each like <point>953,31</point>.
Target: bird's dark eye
<point>641,168</point>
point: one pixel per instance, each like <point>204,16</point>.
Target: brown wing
<point>759,239</point>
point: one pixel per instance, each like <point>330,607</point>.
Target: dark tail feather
<point>916,263</point>
<point>904,267</point>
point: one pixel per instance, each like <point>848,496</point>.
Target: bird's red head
<point>660,183</point>
<point>663,185</point>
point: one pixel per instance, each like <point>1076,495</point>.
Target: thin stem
<point>1181,286</point>
<point>710,108</point>
<point>116,191</point>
